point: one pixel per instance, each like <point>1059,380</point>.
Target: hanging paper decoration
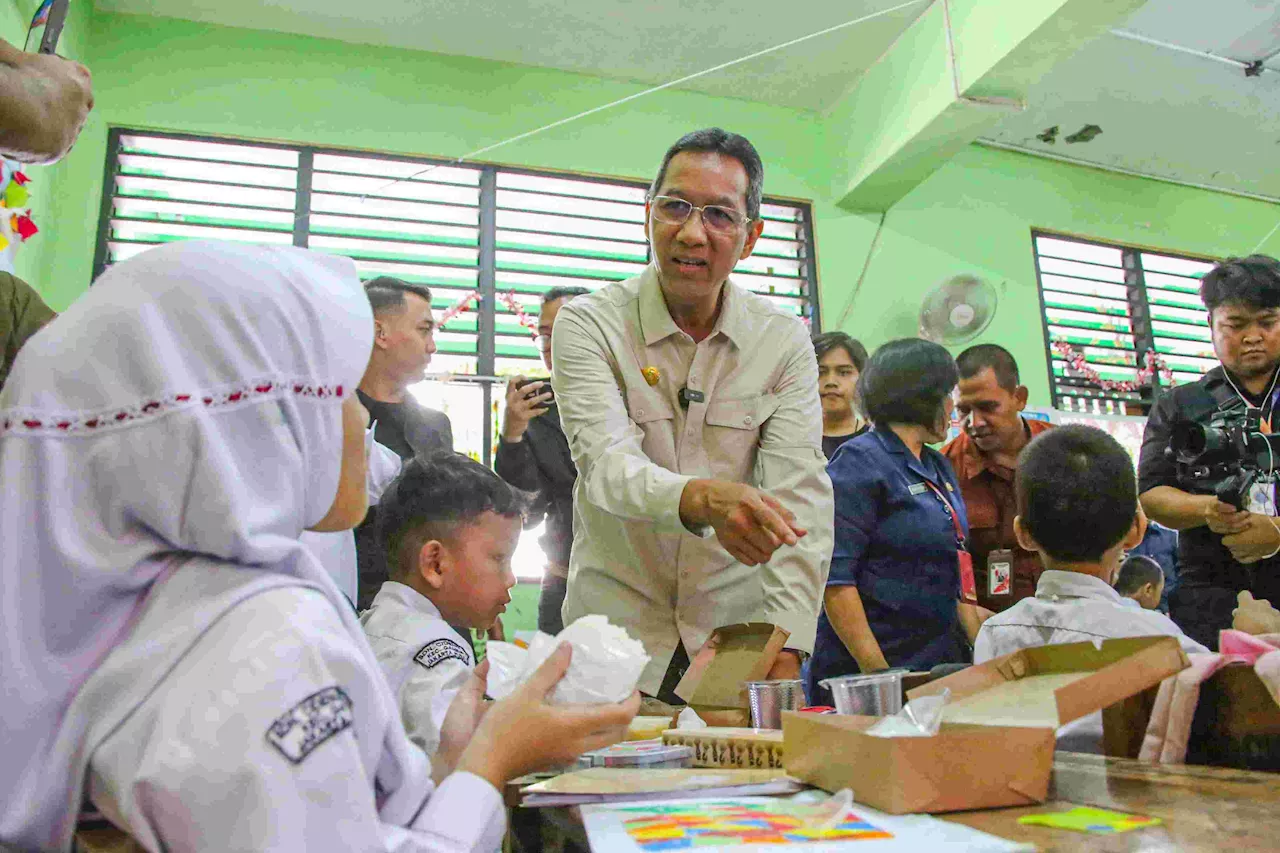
<point>1151,365</point>
<point>20,179</point>
<point>514,306</point>
<point>15,195</point>
<point>458,307</point>
<point>23,226</point>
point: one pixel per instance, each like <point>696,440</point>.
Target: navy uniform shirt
<point>894,541</point>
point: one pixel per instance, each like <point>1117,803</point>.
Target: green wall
<point>973,216</point>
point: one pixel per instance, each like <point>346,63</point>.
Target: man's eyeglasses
<point>676,211</point>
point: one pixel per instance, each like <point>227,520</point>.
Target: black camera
<point>1225,458</point>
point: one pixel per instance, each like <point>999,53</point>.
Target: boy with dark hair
<point>1141,580</point>
<point>450,527</point>
<point>1077,507</point>
<point>841,360</point>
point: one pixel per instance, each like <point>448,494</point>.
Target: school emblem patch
<point>299,731</point>
<point>438,651</point>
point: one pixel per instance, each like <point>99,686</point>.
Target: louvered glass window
<point>1111,305</point>
<point>503,236</point>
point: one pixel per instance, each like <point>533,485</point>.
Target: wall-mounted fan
<point>957,310</point>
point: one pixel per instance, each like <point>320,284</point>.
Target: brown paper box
<point>734,654</point>
<point>996,744</point>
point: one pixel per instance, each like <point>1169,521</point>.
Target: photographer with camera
<point>1208,463</point>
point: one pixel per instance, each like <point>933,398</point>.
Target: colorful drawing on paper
<point>687,826</point>
<point>1084,819</point>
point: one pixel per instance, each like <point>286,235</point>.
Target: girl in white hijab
<point>170,651</point>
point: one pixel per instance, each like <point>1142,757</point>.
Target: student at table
<point>174,655</point>
<point>893,594</point>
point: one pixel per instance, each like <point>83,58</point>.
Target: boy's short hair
<point>827,341</point>
<point>1077,494</point>
<point>431,499</point>
<point>1136,572</point>
<point>386,294</point>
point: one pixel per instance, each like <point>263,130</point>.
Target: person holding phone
<point>44,102</point>
<point>533,455</point>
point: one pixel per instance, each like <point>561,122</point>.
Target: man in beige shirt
<point>691,408</point>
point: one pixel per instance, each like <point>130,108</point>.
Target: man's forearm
<point>1175,508</point>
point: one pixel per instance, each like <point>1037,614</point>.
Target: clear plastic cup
<point>770,698</point>
<point>876,695</point>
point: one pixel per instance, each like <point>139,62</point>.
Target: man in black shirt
<point>533,454</point>
<point>402,347</point>
<point>1222,550</point>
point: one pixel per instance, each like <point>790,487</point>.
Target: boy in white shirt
<point>450,527</point>
<point>1140,580</point>
<point>1078,507</point>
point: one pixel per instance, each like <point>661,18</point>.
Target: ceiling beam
<point>950,77</point>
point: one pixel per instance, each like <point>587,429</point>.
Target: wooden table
<point>1203,808</point>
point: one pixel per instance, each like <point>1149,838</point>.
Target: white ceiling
<point>1164,112</point>
<point>645,41</point>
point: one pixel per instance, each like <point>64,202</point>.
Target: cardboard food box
<point>713,685</point>
<point>730,747</point>
<point>996,744</point>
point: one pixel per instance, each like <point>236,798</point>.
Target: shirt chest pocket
<point>656,419</point>
<point>732,434</point>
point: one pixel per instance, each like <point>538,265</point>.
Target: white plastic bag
<point>920,717</point>
<point>605,668</point>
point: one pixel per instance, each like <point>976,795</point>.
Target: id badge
<point>1262,498</point>
<point>1000,572</point>
<point>968,587</point>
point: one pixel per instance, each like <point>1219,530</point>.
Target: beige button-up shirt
<point>635,446</point>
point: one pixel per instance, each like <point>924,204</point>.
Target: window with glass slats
<point>422,221</point>
<point>1112,304</point>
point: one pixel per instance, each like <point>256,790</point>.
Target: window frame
<point>1139,317</point>
<point>488,308</point>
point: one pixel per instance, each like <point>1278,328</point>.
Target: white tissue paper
<point>689,720</point>
<point>920,718</point>
<point>605,668</point>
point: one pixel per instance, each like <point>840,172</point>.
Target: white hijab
<point>190,402</point>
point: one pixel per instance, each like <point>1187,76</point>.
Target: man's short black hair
<point>718,141</point>
<point>1136,572</point>
<point>387,294</point>
<point>906,382</point>
<point>1077,493</point>
<point>827,341</point>
<point>978,358</point>
<point>431,499</point>
<point>1253,281</point>
<point>563,292</point>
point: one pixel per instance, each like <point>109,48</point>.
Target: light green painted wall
<point>973,216</point>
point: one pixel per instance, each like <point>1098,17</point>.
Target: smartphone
<point>46,27</point>
<point>546,389</point>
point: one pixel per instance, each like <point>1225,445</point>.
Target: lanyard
<point>951,511</point>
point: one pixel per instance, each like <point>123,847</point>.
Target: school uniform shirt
<point>1070,607</point>
<point>895,541</point>
<point>991,506</point>
<point>200,740</point>
<point>646,409</point>
<point>425,661</point>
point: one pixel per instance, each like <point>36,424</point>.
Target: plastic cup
<point>876,695</point>
<point>770,698</point>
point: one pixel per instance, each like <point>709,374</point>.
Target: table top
<point>1203,808</point>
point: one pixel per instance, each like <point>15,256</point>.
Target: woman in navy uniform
<point>894,593</point>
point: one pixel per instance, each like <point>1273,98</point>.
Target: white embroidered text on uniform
<point>439,651</point>
<point>311,722</point>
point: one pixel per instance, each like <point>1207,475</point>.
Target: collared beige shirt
<point>635,446</point>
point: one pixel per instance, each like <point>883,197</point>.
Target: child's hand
<point>1255,616</point>
<point>523,733</point>
<point>460,723</point>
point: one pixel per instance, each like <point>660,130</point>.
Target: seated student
<point>1141,581</point>
<point>173,655</point>
<point>1161,544</point>
<point>1078,507</point>
<point>449,527</point>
